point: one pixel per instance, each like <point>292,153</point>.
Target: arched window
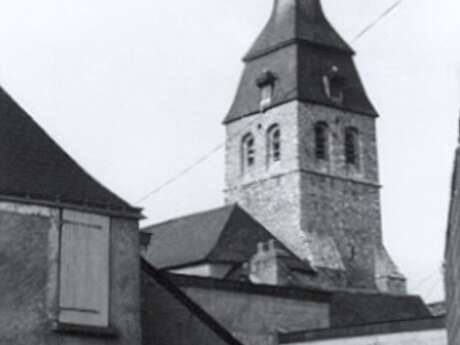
<point>351,146</point>
<point>248,151</point>
<point>274,144</point>
<point>322,140</point>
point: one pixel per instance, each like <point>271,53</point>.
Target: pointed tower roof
<point>298,49</point>
<point>295,21</point>
<point>34,167</point>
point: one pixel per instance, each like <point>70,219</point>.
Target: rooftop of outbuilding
<point>224,235</point>
<point>35,168</point>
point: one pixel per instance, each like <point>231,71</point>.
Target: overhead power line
<point>216,149</point>
<point>376,21</point>
<point>182,173</point>
<point>192,166</point>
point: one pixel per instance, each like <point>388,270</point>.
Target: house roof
<point>297,20</point>
<point>358,308</point>
<point>438,308</point>
<point>224,235</point>
<point>169,315</point>
<point>36,168</point>
<point>299,47</point>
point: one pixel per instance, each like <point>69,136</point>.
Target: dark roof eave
<point>132,212</point>
<point>252,55</point>
<point>231,118</point>
<point>312,293</point>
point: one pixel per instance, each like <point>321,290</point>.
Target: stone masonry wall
<point>339,200</point>
<point>271,193</point>
<point>28,269</point>
<point>325,211</point>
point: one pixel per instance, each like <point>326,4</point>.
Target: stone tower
<point>301,152</point>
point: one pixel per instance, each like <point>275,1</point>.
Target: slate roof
<point>299,47</point>
<point>224,235</point>
<point>438,308</point>
<point>301,20</point>
<point>35,167</point>
<point>358,308</point>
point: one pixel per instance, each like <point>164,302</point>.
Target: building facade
<point>70,263</point>
<point>69,247</point>
<point>301,153</point>
<point>295,257</point>
<point>452,257</point>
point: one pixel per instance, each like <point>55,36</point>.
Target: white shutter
<point>84,269</point>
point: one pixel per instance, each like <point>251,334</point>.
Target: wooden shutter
<point>84,269</point>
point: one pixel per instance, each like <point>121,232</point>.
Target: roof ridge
<point>232,208</point>
<point>186,216</point>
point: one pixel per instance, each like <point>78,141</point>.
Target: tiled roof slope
<point>226,235</point>
<point>301,20</point>
<point>299,47</point>
<point>33,166</point>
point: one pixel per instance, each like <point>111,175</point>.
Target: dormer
<point>334,83</point>
<point>266,84</point>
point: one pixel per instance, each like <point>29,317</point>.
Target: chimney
<point>264,266</point>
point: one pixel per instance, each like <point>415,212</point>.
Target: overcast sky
<point>136,91</point>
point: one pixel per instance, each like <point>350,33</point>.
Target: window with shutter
<point>84,270</point>
<point>322,141</point>
<point>274,144</point>
<point>351,146</point>
<point>248,154</point>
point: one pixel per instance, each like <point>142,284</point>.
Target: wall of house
<point>256,318</point>
<point>29,266</point>
<point>452,259</point>
<point>431,337</point>
<point>168,319</point>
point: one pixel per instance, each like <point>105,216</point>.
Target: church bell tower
<point>301,151</point>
